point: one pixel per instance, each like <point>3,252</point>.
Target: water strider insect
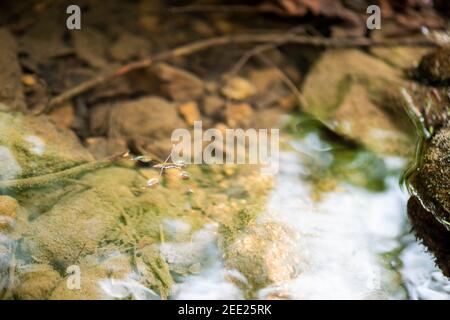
<point>185,175</point>
<point>169,165</point>
<point>162,166</point>
<point>143,159</point>
<point>152,182</point>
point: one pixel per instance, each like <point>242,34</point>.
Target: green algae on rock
<point>33,146</point>
<point>8,211</point>
<point>35,282</point>
<point>77,222</point>
<point>96,273</point>
<point>109,210</point>
<point>11,90</point>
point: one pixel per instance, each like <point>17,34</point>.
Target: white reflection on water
<point>357,244</point>
<point>210,283</point>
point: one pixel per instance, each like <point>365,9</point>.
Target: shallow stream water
<point>353,239</point>
<point>356,243</point>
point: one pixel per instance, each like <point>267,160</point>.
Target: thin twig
<point>46,179</point>
<point>228,9</point>
<point>248,55</point>
<point>188,49</point>
<point>284,78</point>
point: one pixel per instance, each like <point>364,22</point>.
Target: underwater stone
<point>355,95</point>
<point>8,211</point>
<point>33,146</point>
<point>36,282</point>
<point>265,254</point>
<point>76,224</point>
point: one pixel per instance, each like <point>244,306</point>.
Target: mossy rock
<point>96,278</point>
<point>93,220</point>
<point>77,223</point>
<point>36,282</point>
<point>32,146</point>
<point>431,181</point>
<point>154,271</point>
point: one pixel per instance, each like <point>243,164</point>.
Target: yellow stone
<point>8,211</point>
<point>189,112</point>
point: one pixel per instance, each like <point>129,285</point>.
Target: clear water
<point>356,244</point>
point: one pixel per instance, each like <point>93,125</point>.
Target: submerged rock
<point>11,90</point>
<point>356,95</point>
<point>265,254</point>
<point>77,223</point>
<point>144,122</point>
<point>8,211</point>
<point>238,89</point>
<point>95,275</point>
<point>100,215</point>
<point>36,282</point>
<point>149,117</point>
<point>33,146</point>
<point>190,113</point>
<point>179,84</point>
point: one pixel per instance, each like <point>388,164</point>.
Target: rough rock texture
<point>429,106</point>
<point>429,177</point>
<point>431,182</point>
<point>433,234</point>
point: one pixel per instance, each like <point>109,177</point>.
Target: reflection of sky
<point>344,237</point>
